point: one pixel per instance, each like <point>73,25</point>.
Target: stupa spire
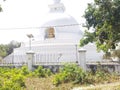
<point>56,1</point>
<point>57,6</point>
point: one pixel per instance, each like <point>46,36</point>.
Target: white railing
<point>45,55</point>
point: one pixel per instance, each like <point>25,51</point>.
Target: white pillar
<point>30,58</point>
<point>82,59</point>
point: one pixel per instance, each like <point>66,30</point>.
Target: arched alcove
<point>49,33</point>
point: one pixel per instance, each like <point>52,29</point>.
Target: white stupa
<point>58,39</point>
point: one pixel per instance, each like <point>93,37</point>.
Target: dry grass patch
<point>46,84</point>
<point>109,86</point>
<point>33,83</point>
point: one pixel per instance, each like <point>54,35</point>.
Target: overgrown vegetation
<point>42,72</point>
<point>14,78</point>
<point>69,75</point>
<point>73,73</point>
<point>70,72</point>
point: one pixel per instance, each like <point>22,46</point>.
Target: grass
<point>34,83</point>
<point>45,84</point>
<point>66,78</point>
<point>109,86</point>
<point>100,80</point>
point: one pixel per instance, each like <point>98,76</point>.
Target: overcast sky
<point>29,13</point>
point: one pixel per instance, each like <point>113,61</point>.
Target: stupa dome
<point>64,25</point>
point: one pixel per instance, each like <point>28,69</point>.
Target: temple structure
<point>59,40</point>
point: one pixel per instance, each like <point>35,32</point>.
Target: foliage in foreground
<point>42,72</point>
<point>73,73</point>
<point>15,78</point>
<point>70,72</point>
<point>12,79</point>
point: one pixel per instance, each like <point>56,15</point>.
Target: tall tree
<point>104,17</point>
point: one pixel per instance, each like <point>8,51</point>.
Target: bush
<point>24,71</point>
<point>70,72</point>
<point>73,73</point>
<point>42,72</point>
<point>11,79</point>
<point>101,74</point>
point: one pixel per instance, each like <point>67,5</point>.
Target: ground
<point>46,84</point>
<point>109,86</point>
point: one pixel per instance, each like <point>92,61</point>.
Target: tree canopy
<point>104,17</point>
<point>6,49</point>
<point>1,7</point>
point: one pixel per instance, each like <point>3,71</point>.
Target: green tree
<point>3,51</point>
<point>13,44</point>
<point>8,48</point>
<point>1,7</point>
<point>104,17</point>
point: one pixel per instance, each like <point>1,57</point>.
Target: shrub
<point>69,72</point>
<point>24,70</point>
<point>11,79</point>
<point>42,72</point>
<point>100,75</point>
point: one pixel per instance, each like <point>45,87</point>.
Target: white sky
<point>29,13</point>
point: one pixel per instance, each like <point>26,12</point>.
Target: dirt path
<point>110,86</point>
